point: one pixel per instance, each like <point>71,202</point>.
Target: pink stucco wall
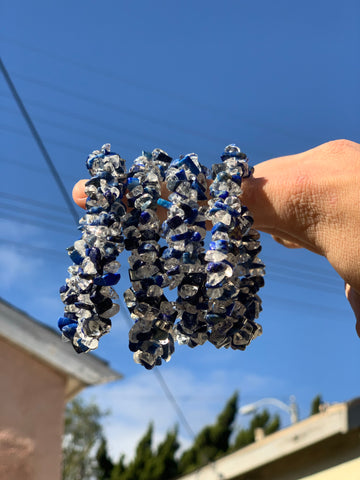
<point>31,416</point>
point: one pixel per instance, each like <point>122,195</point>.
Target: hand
<point>309,200</point>
<point>312,200</point>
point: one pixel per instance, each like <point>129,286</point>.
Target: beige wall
<point>31,417</point>
<point>346,471</point>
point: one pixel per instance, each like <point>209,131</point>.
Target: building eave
<point>45,344</point>
<point>337,419</point>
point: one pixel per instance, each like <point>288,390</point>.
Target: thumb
<point>78,193</point>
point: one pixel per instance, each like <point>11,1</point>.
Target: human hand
<point>309,200</point>
<point>312,200</point>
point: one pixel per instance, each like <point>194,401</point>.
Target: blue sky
<point>276,78</point>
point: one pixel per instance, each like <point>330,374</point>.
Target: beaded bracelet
<point>184,231</point>
<point>88,293</point>
<point>232,254</point>
<point>217,291</point>
<point>151,337</point>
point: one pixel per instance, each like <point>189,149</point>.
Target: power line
<point>120,108</point>
<point>161,92</point>
<point>60,143</point>
<point>174,403</point>
<point>67,128</point>
<point>30,201</point>
<point>29,211</point>
<point>36,223</point>
<point>91,120</point>
<point>26,166</point>
<point>321,273</point>
<point>39,142</point>
<point>306,283</point>
<point>33,248</point>
<point>287,268</point>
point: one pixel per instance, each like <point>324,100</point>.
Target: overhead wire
<point>67,128</point>
<point>120,108</point>
<point>31,212</point>
<point>32,168</point>
<point>163,92</point>
<point>37,223</point>
<point>18,131</point>
<point>31,201</point>
<point>39,142</point>
<point>119,130</point>
<point>40,250</point>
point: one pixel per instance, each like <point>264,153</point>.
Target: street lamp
<point>291,409</point>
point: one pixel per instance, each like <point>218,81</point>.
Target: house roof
<point>45,344</point>
<point>316,438</point>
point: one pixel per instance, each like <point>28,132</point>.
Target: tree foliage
<point>104,462</point>
<point>82,433</point>
<point>212,441</point>
<point>147,464</point>
<point>262,420</point>
<point>163,464</point>
<point>86,455</point>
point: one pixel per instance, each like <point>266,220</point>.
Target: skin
<point>310,200</point>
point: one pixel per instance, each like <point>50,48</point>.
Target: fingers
<point>354,300</point>
<point>78,193</point>
<point>301,195</point>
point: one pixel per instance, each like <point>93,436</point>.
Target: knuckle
<point>336,147</point>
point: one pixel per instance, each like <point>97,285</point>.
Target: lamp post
<point>291,409</point>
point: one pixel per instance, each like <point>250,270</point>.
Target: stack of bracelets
<point>217,289</point>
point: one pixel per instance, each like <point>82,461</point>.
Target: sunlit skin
<point>310,200</point>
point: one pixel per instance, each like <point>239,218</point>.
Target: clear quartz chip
<point>188,290</point>
<point>155,291</point>
<point>112,311</point>
<point>112,267</point>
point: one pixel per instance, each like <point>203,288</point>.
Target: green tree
<point>82,432</point>
<point>213,440</point>
<point>262,420</point>
<point>315,405</point>
<point>138,466</point>
<point>104,462</point>
<point>119,469</point>
<point>163,465</point>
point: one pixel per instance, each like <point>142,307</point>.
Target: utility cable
<point>36,223</point>
<point>33,248</point>
<point>31,212</point>
<point>33,169</point>
<point>91,120</point>
<point>31,201</point>
<point>120,108</point>
<point>39,142</point>
<point>174,403</point>
<point>18,131</point>
<point>154,90</point>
